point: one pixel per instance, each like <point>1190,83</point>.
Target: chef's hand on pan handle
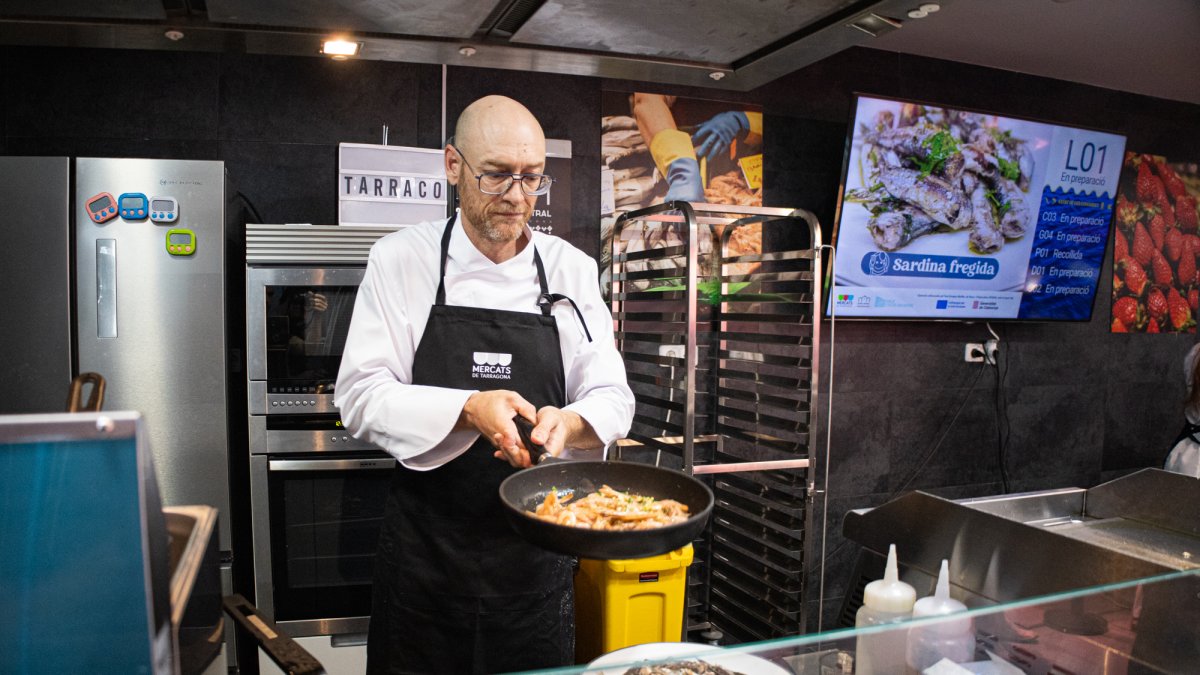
<point>491,414</point>
<point>557,428</point>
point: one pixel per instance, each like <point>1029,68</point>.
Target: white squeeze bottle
<point>952,639</point>
<point>886,600</point>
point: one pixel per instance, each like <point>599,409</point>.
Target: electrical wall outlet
<point>672,351</point>
<point>973,353</point>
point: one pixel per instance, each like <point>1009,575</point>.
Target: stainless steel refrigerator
<point>148,309</point>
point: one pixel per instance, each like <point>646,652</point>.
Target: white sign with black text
<point>390,185</point>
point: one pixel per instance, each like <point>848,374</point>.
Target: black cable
<point>999,417</point>
<point>250,207</point>
<point>932,451</point>
<point>1002,415</point>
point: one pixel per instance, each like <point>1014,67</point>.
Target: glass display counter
<point>1149,625</point>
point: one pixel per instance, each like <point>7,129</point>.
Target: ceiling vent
<point>508,17</point>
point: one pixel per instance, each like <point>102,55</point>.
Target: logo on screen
<point>845,299</point>
<point>878,263</point>
<point>942,304</point>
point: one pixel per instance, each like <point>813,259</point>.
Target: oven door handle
<point>329,464</point>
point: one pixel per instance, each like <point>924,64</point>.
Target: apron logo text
<point>492,365</point>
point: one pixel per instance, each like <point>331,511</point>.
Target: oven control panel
<point>289,400</point>
<point>276,402</point>
<point>295,434</point>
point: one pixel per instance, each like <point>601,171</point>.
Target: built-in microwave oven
<point>297,320</point>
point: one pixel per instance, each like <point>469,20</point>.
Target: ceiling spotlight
<point>340,49</point>
<point>173,35</point>
<point>467,51</point>
<point>717,75</point>
<point>874,24</point>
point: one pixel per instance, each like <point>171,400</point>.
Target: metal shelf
<point>722,352</point>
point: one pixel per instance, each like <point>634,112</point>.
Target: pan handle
<point>95,398</point>
<point>537,452</point>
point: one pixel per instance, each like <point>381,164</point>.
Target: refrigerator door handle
<point>106,288</point>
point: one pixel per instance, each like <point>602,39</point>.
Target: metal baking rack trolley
<point>717,315</point>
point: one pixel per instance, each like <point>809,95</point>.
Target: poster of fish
<point>1155,246</point>
<point>657,148</point>
<point>954,214</point>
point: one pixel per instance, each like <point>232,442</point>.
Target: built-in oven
<point>319,517</point>
<point>316,494</point>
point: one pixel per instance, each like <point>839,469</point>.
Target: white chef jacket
<point>414,423</point>
<point>1185,456</point>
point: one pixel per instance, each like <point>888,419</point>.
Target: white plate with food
<point>673,658</point>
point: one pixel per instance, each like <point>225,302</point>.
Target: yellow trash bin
<point>619,603</point>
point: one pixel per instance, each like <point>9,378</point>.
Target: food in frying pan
<point>681,668</point>
<point>609,509</point>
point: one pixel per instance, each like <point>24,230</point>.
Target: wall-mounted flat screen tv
<point>957,214</point>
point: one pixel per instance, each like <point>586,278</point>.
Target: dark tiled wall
<point>1082,405</point>
<point>275,121</point>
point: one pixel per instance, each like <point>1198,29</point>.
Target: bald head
<point>498,120</point>
<point>495,135</point>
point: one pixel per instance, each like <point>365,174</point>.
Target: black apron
<point>455,590</point>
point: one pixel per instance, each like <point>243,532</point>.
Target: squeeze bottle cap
<point>940,603</point>
<point>889,594</point>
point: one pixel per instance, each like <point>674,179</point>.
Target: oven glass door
<point>306,329</point>
<point>325,520</point>
<point>297,319</point>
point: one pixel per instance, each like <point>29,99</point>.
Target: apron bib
<point>455,589</point>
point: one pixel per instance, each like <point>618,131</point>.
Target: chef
<point>459,325</point>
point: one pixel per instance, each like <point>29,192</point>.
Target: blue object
<point>683,179</point>
<point>83,540</point>
<point>714,136</point>
<point>133,206</point>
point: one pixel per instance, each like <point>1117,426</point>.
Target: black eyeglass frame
<point>510,178</point>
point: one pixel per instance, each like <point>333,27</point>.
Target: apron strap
<point>1189,431</point>
<point>548,300</point>
<point>441,291</point>
<point>541,275</point>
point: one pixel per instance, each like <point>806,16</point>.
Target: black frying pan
<point>524,490</point>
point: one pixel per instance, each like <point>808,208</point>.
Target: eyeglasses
<point>499,182</point>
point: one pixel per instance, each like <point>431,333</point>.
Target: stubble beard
<point>496,233</point>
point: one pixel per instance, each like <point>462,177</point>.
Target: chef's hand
<point>491,414</point>
<point>315,301</point>
<point>557,428</point>
<point>714,136</point>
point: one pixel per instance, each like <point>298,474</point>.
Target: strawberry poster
<point>1155,284</point>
